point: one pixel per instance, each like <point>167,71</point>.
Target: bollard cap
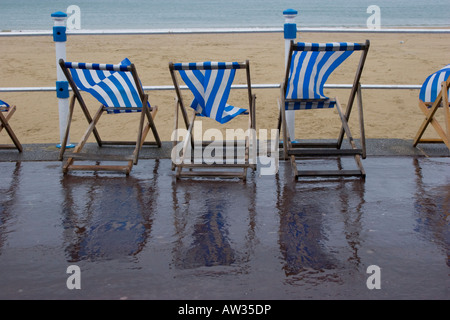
<point>290,12</point>
<point>59,14</point>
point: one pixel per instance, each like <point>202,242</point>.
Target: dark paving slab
<point>375,147</point>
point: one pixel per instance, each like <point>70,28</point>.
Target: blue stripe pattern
<point>3,104</point>
<point>311,65</point>
<point>432,85</point>
<point>111,84</point>
<point>210,83</point>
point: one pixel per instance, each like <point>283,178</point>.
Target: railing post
<point>62,86</point>
<point>290,33</point>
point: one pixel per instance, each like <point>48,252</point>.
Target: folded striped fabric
<point>210,83</point>
<point>3,104</point>
<point>311,65</point>
<point>111,84</point>
<point>432,85</point>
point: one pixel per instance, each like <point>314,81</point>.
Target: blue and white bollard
<point>62,86</point>
<point>290,33</point>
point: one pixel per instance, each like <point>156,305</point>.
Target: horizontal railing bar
<point>254,86</point>
<point>219,30</point>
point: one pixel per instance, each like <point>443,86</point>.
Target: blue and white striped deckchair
<point>434,94</point>
<point>309,67</point>
<point>4,123</point>
<point>210,84</point>
<point>118,89</point>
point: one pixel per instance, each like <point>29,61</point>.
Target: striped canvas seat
<point>111,84</point>
<point>311,65</point>
<point>211,88</point>
<point>432,86</point>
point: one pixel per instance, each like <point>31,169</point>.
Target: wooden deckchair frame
<point>224,170</point>
<point>296,150</point>
<point>130,160</point>
<point>4,124</point>
<point>429,110</point>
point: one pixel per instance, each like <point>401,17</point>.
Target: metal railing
<point>222,30</point>
<point>254,86</point>
<point>219,30</point>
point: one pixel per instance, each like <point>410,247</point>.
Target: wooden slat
<point>215,165</point>
<point>329,173</point>
<point>431,140</point>
<point>325,153</point>
<point>7,146</point>
<point>127,143</point>
<point>5,124</point>
<point>98,157</point>
<point>124,169</point>
<point>314,145</point>
<point>210,174</point>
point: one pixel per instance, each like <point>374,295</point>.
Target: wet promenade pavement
<point>148,236</point>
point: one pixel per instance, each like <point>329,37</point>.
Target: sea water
<point>180,14</point>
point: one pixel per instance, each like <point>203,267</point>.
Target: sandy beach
<point>397,59</point>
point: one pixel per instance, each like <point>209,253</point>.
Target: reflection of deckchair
<point>434,94</point>
<point>105,217</point>
<point>118,89</point>
<point>9,190</point>
<point>309,66</point>
<point>4,123</point>
<point>210,83</point>
<point>432,203</point>
<point>211,230</point>
<point>305,244</point>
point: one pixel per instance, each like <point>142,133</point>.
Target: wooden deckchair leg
<point>8,116</point>
<point>84,138</point>
<point>150,118</point>
<point>356,85</point>
<point>140,132</point>
<point>148,126</point>
<point>5,124</point>
<point>361,122</point>
<point>90,129</point>
<point>346,128</point>
<point>175,131</point>
<point>446,107</point>
<point>429,119</point>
